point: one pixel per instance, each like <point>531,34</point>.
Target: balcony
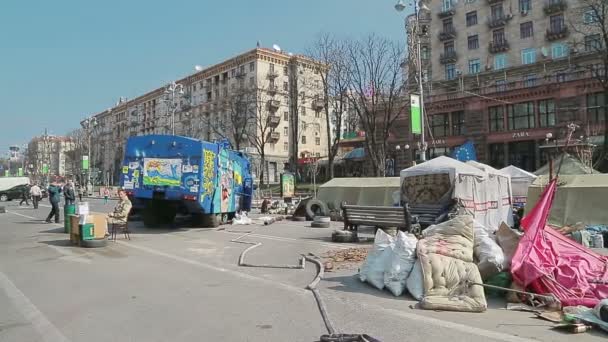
<point>240,74</point>
<point>499,20</point>
<point>274,104</point>
<point>273,89</point>
<point>555,6</point>
<point>492,2</point>
<point>556,33</point>
<point>272,74</point>
<point>318,104</point>
<point>446,13</point>
<point>499,46</point>
<point>447,34</point>
<point>448,57</point>
<point>274,120</point>
<point>273,137</point>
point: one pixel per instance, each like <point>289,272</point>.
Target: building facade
<point>510,76</point>
<point>50,156</point>
<point>262,99</point>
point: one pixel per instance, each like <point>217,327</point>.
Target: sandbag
<point>402,261</point>
<point>378,260</point>
<point>414,281</point>
<point>489,255</point>
<point>507,239</point>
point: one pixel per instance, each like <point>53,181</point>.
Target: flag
<point>20,172</point>
<point>465,152</point>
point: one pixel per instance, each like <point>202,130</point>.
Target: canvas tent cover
<point>485,195</point>
<point>359,191</point>
<point>579,198</point>
<point>570,166</point>
<point>520,181</point>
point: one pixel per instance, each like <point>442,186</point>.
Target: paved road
<point>184,285</point>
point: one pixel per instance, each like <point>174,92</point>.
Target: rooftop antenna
<point>258,44</point>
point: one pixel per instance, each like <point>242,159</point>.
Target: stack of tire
<point>320,222</point>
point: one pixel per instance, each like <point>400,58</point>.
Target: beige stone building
<point>53,151</point>
<point>274,95</point>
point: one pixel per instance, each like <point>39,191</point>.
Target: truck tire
<point>319,225</point>
<point>150,217</point>
<point>211,220</point>
<point>316,207</point>
<point>198,220</point>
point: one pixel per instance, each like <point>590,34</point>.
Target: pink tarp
<point>548,262</point>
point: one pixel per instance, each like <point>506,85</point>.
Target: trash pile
<point>344,258</point>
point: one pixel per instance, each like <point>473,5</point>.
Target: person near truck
<point>54,192</point>
<point>25,194</point>
<point>120,214</point>
<point>68,193</point>
<point>36,194</point>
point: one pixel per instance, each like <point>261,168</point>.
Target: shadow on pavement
<point>55,230</point>
<point>59,243</point>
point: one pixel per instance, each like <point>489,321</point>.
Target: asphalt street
<point>184,284</point>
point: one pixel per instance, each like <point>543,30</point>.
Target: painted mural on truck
<point>158,171</point>
<point>208,174</point>
<point>226,182</point>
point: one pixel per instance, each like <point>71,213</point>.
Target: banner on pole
<point>85,162</point>
<point>45,168</point>
<point>415,117</point>
<point>20,172</point>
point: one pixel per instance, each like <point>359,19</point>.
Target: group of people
<point>69,194</point>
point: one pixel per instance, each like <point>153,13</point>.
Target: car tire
<point>319,225</point>
<point>344,236</point>
<point>298,218</point>
<point>316,207</point>
<point>323,219</point>
<point>3,198</point>
<point>95,243</point>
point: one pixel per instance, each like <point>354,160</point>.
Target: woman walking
<point>106,195</point>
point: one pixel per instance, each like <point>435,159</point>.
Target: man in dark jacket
<point>54,192</point>
<point>68,193</point>
<point>25,195</point>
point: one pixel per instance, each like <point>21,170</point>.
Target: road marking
<point>415,317</point>
<point>47,331</point>
<point>26,216</point>
<point>286,239</point>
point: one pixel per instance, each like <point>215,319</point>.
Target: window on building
<point>593,43</point>
<point>285,71</point>
<point>303,139</point>
<point>241,83</point>
<point>589,16</point>
<point>285,86</point>
<point>448,25</point>
<point>233,72</point>
<point>596,107</point>
<point>251,81</point>
<point>530,80</point>
<point>473,42</point>
<point>498,36</point>
<point>285,116</point>
<point>474,66</point>
<point>450,71</point>
<point>559,50</point>
<point>497,118</point>
<point>526,30</point>
<point>556,23</point>
<point>317,114</point>
<point>458,127</point>
<point>285,146</point>
<point>546,113</point>
<point>497,11</point>
<point>472,18</point>
<point>251,66</point>
<point>242,69</point>
<point>528,56</point>
<point>525,6</point>
<point>500,61</point>
<point>440,125</point>
<point>425,53</point>
<point>521,115</point>
<point>317,141</point>
<point>561,76</point>
<point>447,5</point>
<point>285,131</point>
<point>448,48</point>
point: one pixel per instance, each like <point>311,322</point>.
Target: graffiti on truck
<point>208,173</point>
<point>162,171</point>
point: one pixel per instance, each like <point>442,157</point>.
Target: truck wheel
<point>3,198</point>
<point>315,207</point>
<point>198,220</point>
<point>211,221</point>
<point>167,214</point>
<point>150,217</point>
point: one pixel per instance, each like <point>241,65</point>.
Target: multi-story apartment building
<point>52,151</point>
<point>275,96</point>
<point>507,74</point>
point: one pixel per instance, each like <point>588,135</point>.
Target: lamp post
<point>88,125</point>
<point>169,100</point>
<point>406,148</point>
<point>417,32</point>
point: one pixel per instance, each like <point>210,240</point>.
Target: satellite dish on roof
<point>276,47</point>
<point>198,68</point>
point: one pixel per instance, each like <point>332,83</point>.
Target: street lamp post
<point>170,97</point>
<point>417,33</point>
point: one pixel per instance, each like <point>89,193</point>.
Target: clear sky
<point>61,60</point>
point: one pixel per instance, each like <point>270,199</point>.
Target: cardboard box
<point>98,230</point>
<point>100,223</point>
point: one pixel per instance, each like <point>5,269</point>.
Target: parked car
<point>12,193</point>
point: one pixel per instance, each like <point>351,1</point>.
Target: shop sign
<point>518,135</point>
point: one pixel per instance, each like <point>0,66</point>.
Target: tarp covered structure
<point>359,191</point>
<point>569,166</point>
<point>548,262</point>
<point>579,198</point>
<point>484,195</point>
<point>520,181</point>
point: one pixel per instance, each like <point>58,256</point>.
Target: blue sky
<point>64,59</point>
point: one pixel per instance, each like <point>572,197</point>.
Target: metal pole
<point>89,160</point>
<point>420,85</point>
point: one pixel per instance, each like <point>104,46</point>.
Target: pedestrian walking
<point>80,192</point>
<point>106,195</point>
<point>68,193</point>
<point>54,192</point>
<point>25,194</point>
<point>36,194</point>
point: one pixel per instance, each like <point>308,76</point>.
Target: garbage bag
<point>414,282</point>
<point>507,239</point>
<point>489,255</point>
<point>378,260</point>
<point>402,261</point>
<point>241,219</point>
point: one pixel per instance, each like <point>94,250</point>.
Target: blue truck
<point>164,175</point>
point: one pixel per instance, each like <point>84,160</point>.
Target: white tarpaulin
<point>520,182</point>
<point>484,194</point>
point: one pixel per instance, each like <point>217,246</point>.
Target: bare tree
<point>375,86</point>
<point>261,131</point>
<point>330,52</point>
<point>81,145</point>
<point>591,21</point>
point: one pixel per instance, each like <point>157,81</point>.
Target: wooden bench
<point>375,216</point>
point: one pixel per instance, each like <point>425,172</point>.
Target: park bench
<point>384,217</point>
